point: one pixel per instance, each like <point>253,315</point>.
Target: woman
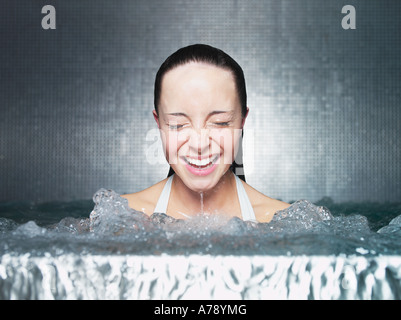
<point>200,110</point>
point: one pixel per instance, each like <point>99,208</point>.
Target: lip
<point>202,171</point>
<point>212,157</point>
<point>200,157</point>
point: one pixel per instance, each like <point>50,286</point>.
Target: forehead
<point>198,68</point>
<point>195,84</point>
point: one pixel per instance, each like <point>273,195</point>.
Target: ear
<point>156,117</point>
<point>244,118</point>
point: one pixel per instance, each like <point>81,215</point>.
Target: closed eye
<point>221,124</point>
<point>175,126</point>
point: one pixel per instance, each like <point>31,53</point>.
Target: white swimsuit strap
<point>162,203</point>
<point>246,207</point>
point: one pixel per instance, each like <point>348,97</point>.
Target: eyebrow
<point>182,114</point>
<point>177,114</point>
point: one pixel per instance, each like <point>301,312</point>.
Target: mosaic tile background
<point>76,102</point>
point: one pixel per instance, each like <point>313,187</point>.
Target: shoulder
<point>145,200</point>
<point>263,206</point>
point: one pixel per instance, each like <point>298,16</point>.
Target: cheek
<point>226,141</point>
<point>172,142</point>
<point>237,140</point>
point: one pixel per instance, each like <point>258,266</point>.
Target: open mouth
<point>201,164</point>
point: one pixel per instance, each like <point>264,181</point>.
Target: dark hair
<point>207,54</point>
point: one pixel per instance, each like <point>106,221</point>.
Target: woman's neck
<point>210,201</point>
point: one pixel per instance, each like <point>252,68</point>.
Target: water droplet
<point>201,202</point>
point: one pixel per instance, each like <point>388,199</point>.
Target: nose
<point>199,141</point>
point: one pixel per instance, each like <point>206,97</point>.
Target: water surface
<point>107,225</point>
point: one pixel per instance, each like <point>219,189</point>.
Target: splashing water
<point>201,203</point>
<point>112,226</point>
<point>55,251</point>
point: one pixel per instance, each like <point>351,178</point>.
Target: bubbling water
<point>112,226</point>
<point>306,251</point>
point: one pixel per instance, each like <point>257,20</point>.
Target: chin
<point>200,183</point>
<point>201,187</point>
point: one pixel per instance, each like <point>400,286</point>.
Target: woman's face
<point>200,121</point>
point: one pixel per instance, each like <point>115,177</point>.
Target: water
<point>304,228</point>
<point>201,203</point>
<point>359,240</point>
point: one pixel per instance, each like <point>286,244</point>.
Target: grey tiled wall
<point>76,102</point>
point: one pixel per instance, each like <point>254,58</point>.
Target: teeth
<point>200,163</point>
